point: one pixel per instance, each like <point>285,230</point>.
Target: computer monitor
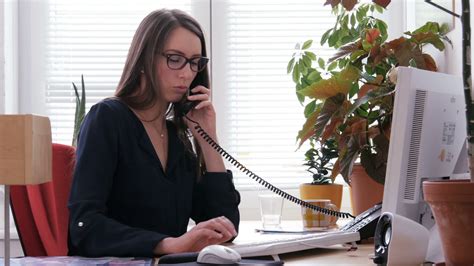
<point>427,140</point>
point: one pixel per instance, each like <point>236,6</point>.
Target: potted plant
<point>318,161</point>
<point>349,98</point>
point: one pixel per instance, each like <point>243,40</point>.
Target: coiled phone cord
<point>260,180</point>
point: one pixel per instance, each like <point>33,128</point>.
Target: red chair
<point>40,211</point>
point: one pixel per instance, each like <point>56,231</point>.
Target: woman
<point>137,179</point>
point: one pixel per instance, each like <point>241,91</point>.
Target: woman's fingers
<point>214,231</point>
<point>203,104</point>
<point>198,97</point>
<point>201,95</point>
<point>200,238</point>
<point>228,225</point>
<point>221,225</point>
<point>201,90</point>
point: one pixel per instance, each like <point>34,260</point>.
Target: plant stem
<point>466,63</point>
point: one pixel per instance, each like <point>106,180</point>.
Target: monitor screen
<point>427,140</point>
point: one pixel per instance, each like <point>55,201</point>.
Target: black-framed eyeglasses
<point>177,61</point>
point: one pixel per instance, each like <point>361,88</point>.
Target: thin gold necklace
<point>162,134</point>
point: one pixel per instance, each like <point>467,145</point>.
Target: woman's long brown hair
<point>147,43</point>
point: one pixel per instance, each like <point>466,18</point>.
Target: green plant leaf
<point>307,44</point>
<point>80,110</point>
<point>357,54</point>
<point>311,55</point>
<point>353,20</point>
<point>289,68</point>
<point>309,108</point>
<point>372,115</point>
<point>432,27</point>
<point>429,37</point>
<point>333,38</point>
<point>341,64</point>
<point>296,73</point>
<point>371,95</point>
<point>359,16</point>
<point>300,98</point>
<point>303,69</point>
<point>321,63</point>
<point>444,29</point>
<point>306,61</point>
<point>382,26</point>
<point>325,37</point>
<point>314,76</point>
<point>354,89</point>
<point>332,66</point>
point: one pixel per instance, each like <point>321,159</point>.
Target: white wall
<point>2,62</point>
<point>9,26</point>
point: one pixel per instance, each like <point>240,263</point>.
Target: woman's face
<point>173,84</point>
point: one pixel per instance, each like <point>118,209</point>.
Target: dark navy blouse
<point>122,203</point>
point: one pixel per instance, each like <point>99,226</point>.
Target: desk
<point>336,254</point>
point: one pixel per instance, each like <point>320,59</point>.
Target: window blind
<point>89,38</point>
<point>257,96</point>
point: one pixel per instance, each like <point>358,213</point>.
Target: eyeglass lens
<point>176,62</point>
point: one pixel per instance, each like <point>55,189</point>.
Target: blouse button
<point>80,224</point>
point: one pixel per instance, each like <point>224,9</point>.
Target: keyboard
<point>274,244</point>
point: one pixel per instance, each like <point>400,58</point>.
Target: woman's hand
<point>203,112</point>
<point>210,232</point>
<point>205,115</point>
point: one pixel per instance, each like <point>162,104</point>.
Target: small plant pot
<point>332,192</point>
<point>452,203</point>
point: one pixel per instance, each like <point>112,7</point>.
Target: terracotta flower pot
<point>452,203</point>
<point>365,192</point>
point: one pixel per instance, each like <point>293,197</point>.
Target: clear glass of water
<point>271,206</point>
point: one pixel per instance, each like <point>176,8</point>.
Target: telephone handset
<point>187,105</point>
<point>249,173</point>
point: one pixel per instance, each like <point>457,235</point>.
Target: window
<point>259,112</point>
<point>89,38</point>
<point>250,44</point>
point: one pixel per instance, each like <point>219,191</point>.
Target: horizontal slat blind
<point>90,38</point>
<point>263,114</point>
